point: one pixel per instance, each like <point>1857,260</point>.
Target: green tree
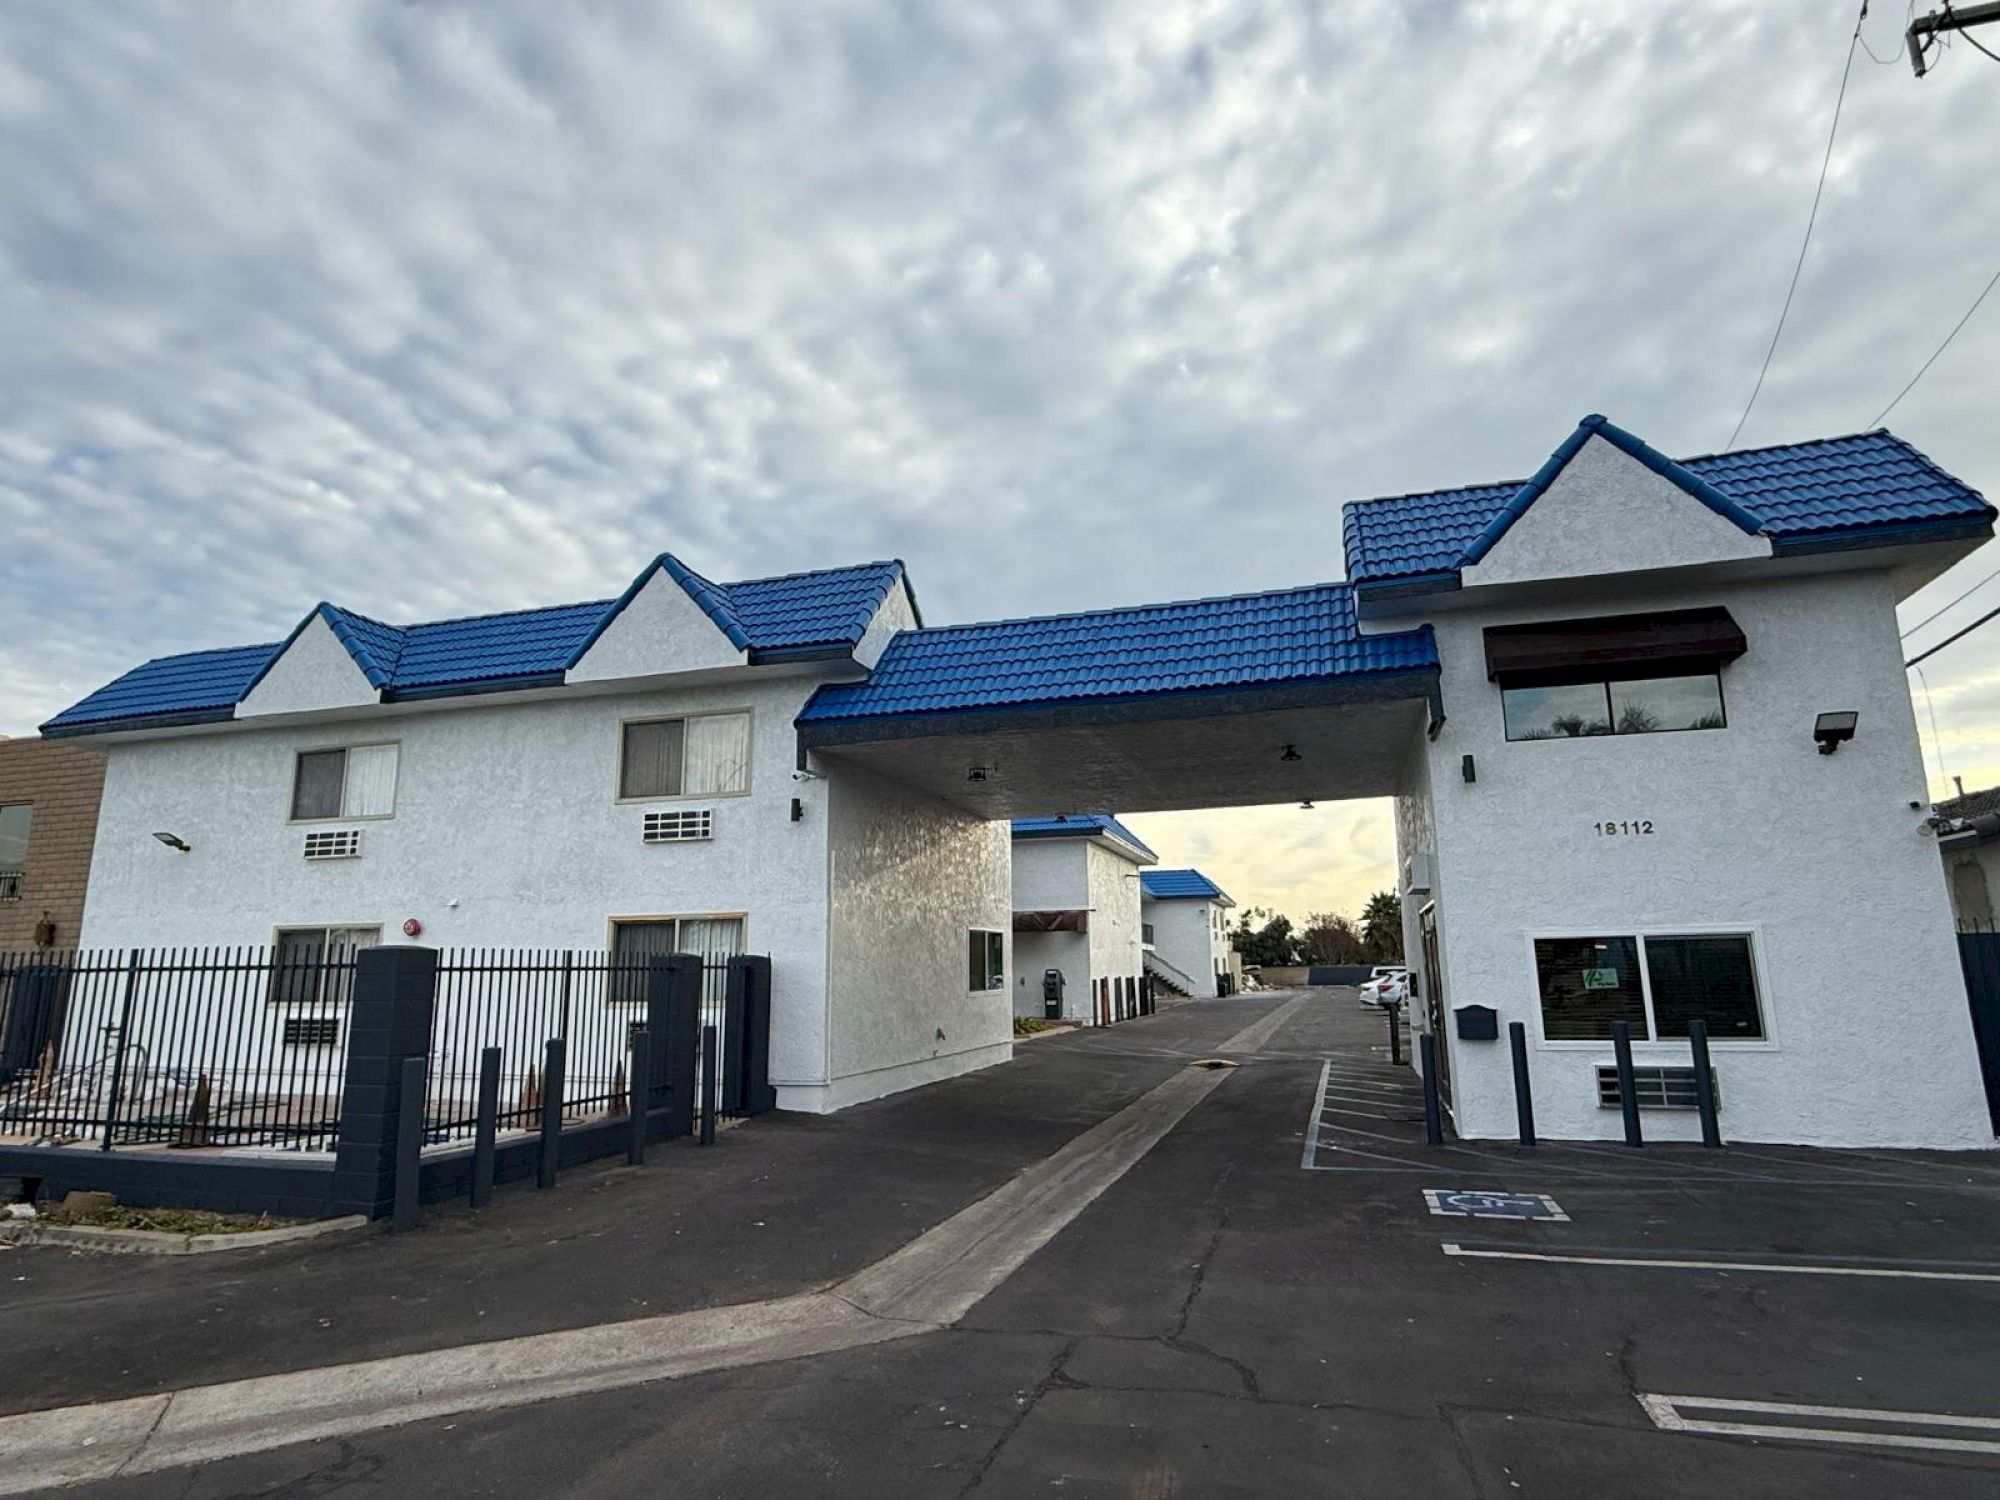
<point>1330,938</point>
<point>1271,942</point>
<point>1382,927</point>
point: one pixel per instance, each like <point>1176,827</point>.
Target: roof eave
<point>179,720</point>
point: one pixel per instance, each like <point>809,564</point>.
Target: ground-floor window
<point>311,965</point>
<point>986,961</point>
<point>1656,983</point>
<point>635,941</point>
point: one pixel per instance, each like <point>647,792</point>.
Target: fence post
<point>409,1143</point>
<point>1524,1098</point>
<point>1427,1049</point>
<point>486,1126</point>
<point>132,972</point>
<point>708,1085</point>
<point>673,1016</point>
<point>552,1111</point>
<point>389,1020</point>
<point>642,1096</point>
<point>1704,1084</point>
<point>1628,1098</point>
<point>746,1035</point>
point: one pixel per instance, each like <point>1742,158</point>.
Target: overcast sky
<point>431,308</point>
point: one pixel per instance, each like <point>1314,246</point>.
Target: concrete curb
<point>1035,1036</point>
<point>156,1242</point>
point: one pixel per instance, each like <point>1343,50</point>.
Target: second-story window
<point>1640,705</point>
<point>357,781</point>
<point>706,755</point>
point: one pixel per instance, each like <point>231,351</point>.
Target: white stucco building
<point>615,776</point>
<point>1076,910</point>
<point>1645,722</point>
<point>1186,918</point>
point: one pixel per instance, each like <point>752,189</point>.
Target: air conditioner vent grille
<point>1657,1088</point>
<point>334,843</point>
<point>679,826</point>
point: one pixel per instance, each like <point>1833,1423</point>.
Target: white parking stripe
<point>1772,1267</point>
<point>1312,1125</point>
<point>1667,1416</point>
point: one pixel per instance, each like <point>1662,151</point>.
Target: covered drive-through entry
<point>1597,696</point>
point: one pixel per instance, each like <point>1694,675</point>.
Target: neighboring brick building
<point>48,821</point>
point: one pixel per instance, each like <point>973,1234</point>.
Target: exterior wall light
<point>1832,729</point>
<point>976,774</point>
<point>1291,752</point>
<point>175,841</point>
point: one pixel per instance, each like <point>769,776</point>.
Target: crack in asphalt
<point>1051,1379</point>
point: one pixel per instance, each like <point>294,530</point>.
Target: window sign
<point>1656,983</point>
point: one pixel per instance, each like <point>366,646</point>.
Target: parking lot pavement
<point>1225,1321</point>
<point>779,1204</point>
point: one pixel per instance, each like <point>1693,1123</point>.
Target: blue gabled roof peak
<point>824,611</point>
<point>1860,489</point>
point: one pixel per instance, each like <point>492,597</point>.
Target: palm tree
<point>1382,925</point>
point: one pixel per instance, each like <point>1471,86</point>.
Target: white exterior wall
<point>507,833</point>
<point>1184,935</point>
<point>910,877</point>
<point>1822,859</point>
<point>1113,884</point>
<point>1074,874</point>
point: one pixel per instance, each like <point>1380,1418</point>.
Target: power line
<point>1812,218</point>
<point>1937,740</point>
<point>1953,605</point>
<point>1957,635</point>
<point>1937,351</point>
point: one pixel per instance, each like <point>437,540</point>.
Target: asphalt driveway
<point>1224,1320</point>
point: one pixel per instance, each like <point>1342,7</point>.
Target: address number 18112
<point>1624,826</point>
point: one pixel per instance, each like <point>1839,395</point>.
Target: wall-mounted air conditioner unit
<point>679,827</point>
<point>334,843</point>
<point>1417,874</point>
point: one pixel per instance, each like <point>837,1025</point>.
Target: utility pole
<point>1925,30</point>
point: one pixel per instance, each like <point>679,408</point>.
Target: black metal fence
<point>518,1000</point>
<point>188,1047</point>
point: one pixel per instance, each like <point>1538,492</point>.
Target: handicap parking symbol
<point>1463,1204</point>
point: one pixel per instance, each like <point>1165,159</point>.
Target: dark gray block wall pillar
<point>389,1020</point>
<point>746,1066</point>
<point>673,1020</point>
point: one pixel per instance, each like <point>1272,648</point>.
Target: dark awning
<point>1696,639</point>
<point>1052,921</point>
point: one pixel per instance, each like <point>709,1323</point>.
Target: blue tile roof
<point>799,612</point>
<point>1872,485</point>
<point>1174,885</point>
<point>1248,640</point>
<point>1080,825</point>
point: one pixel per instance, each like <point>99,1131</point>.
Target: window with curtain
<point>707,755</point>
<point>356,781</point>
<point>311,965</point>
<point>635,943</point>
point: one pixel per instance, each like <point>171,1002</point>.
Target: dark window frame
<point>1647,1028</point>
<point>1603,681</point>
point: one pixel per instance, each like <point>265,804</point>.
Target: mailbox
<point>1477,1023</point>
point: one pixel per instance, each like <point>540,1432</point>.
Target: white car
<point>1387,986</point>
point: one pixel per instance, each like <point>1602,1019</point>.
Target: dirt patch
<point>162,1220</point>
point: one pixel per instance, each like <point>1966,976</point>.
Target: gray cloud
<point>438,307</point>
